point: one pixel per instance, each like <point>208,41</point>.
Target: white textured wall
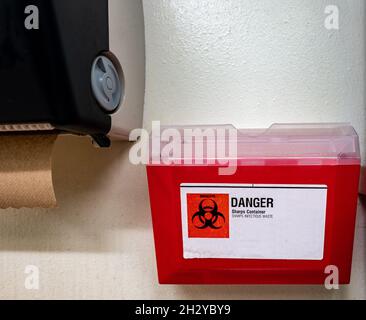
<point>248,62</point>
<point>252,63</point>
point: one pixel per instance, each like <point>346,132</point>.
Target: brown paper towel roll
<point>26,171</point>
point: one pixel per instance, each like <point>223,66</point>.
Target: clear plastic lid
<point>313,144</point>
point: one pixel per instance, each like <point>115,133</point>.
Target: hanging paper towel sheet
<point>26,171</point>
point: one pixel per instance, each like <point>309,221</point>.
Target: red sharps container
<point>283,214</point>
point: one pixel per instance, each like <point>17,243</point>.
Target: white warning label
<point>253,221</point>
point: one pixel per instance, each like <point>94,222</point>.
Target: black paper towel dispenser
<point>72,65</point>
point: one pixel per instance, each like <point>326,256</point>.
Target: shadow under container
<point>285,216</point>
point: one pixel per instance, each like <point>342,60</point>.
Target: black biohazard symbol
<point>208,215</point>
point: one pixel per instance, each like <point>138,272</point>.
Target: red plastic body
<point>164,188</point>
